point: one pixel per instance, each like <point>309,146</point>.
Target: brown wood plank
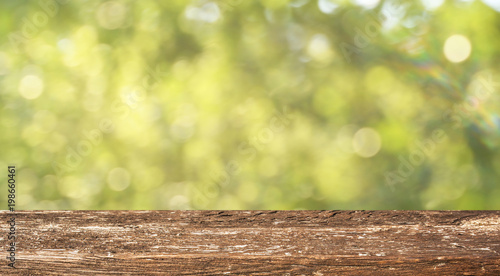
<point>255,242</point>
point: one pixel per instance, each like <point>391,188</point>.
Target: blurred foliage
<point>232,104</point>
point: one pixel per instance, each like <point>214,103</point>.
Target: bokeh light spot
<point>494,4</point>
<point>118,179</point>
<point>366,142</point>
<point>319,48</point>
<point>327,6</point>
<point>432,4</point>
<point>367,4</point>
<point>111,15</point>
<point>31,87</point>
<point>209,12</point>
<point>457,48</point>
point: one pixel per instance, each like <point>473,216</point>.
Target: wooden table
<point>254,242</point>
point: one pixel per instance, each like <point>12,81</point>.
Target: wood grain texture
<point>255,242</point>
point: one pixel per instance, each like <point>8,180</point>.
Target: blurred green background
<point>234,104</point>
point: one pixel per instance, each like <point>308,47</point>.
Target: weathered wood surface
<point>255,242</point>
